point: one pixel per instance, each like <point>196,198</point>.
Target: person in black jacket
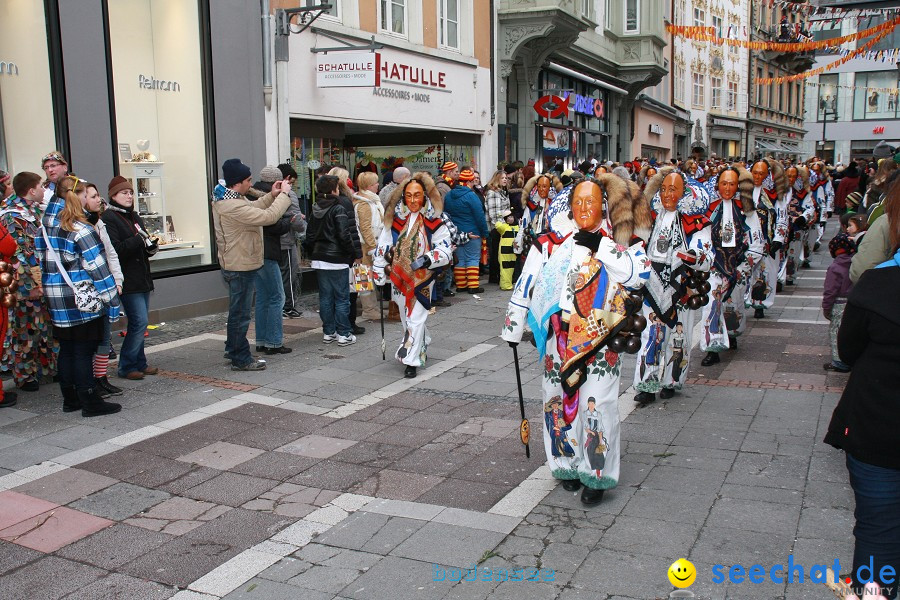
<point>269,288</point>
<point>866,422</point>
<point>134,247</point>
<point>329,243</point>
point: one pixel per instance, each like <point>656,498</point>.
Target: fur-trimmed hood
<point>776,171</point>
<point>656,182</point>
<point>802,182</point>
<point>555,184</point>
<point>643,219</point>
<point>434,204</point>
<point>745,190</point>
<point>619,202</point>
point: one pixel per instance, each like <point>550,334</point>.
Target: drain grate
<point>334,356</point>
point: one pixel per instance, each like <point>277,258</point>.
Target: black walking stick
<point>381,311</point>
<point>524,428</point>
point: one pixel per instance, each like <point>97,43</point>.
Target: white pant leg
<point>415,342</point>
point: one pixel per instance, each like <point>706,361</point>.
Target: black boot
<point>759,314</point>
<point>645,398</point>
<point>9,399</point>
<point>590,496</point>
<point>71,402</point>
<point>104,384</point>
<point>478,290</point>
<point>571,485</point>
<point>92,405</point>
<point>711,358</point>
<point>732,342</point>
<point>778,286</point>
<point>410,372</point>
<point>666,393</point>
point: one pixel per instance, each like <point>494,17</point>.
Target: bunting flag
<point>708,34</point>
<point>818,71</point>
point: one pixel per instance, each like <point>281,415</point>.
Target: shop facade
<point>782,142</point>
<point>145,89</point>
<point>654,130</point>
<point>726,137</point>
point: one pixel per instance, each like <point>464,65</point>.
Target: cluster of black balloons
<point>699,282</point>
<point>628,339</point>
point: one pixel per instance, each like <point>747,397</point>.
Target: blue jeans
<point>105,345</point>
<point>469,254</point>
<point>269,305</point>
<point>877,529</point>
<point>240,303</point>
<point>334,301</point>
<point>75,365</point>
<point>437,290</point>
<point>137,309</point>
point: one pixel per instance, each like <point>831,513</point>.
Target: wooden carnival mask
<point>760,171</point>
<point>414,196</point>
<point>671,191</point>
<point>728,184</point>
<point>587,205</point>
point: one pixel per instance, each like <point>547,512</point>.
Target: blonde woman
<point>369,213</point>
<point>75,252</point>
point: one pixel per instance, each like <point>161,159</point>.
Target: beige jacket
<point>238,223</point>
<point>874,249</point>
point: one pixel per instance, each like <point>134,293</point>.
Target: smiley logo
<point>682,573</point>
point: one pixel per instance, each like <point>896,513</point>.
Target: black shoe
<point>112,354</point>
<point>441,303</point>
<point>9,399</point>
<point>666,393</point>
<point>834,369</point>
<point>410,372</point>
<point>479,290</point>
<point>71,403</point>
<point>711,358</point>
<point>759,313</point>
<point>449,293</point>
<point>805,264</point>
<point>291,314</point>
<point>260,348</point>
<point>732,342</point>
<point>590,496</point>
<point>778,286</point>
<point>92,405</point>
<point>102,383</point>
<point>357,330</point>
<point>645,398</point>
<point>279,350</point>
<point>30,386</point>
<point>790,282</point>
<point>816,246</point>
<point>571,485</point>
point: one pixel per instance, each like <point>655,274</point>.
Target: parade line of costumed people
<point>610,266</point>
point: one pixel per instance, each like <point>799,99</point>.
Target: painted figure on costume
<point>767,220</point>
<point>595,442</point>
<point>823,197</point>
<point>574,294</point>
<point>801,213</point>
<point>681,252</point>
<point>414,241</point>
<point>677,348</point>
<point>557,428</point>
<point>723,319</point>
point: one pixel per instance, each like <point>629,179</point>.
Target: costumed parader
<point>681,253</point>
<point>10,284</point>
<point>801,214</point>
<point>768,231</point>
<point>537,195</point>
<point>723,318</point>
<point>645,174</point>
<point>823,197</point>
<point>574,293</point>
<point>414,241</point>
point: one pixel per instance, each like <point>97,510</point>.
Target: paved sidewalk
<point>330,476</point>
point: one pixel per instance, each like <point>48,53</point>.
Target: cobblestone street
<point>329,475</point>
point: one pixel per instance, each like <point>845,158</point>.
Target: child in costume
<point>680,246</point>
<point>414,240</point>
<point>573,292</point>
<point>508,231</point>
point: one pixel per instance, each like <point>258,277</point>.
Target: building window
<point>393,16</point>
<point>732,34</point>
<point>732,95</point>
<point>587,9</point>
<point>875,95</point>
<point>715,84</point>
<point>158,85</point>
<point>699,17</point>
<point>698,98</point>
<point>334,11</point>
<point>450,23</point>
<point>24,90</point>
<point>680,10</point>
<point>679,83</point>
<point>632,16</point>
<point>759,88</point>
<point>771,87</point>
<point>608,14</point>
<point>717,25</point>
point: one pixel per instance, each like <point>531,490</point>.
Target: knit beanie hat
<point>117,184</point>
<point>882,150</point>
<point>448,166</point>
<point>234,171</point>
<point>509,169</point>
<point>270,174</point>
<point>841,244</point>
<point>466,175</point>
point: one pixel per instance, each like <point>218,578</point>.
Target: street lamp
<point>825,113</point>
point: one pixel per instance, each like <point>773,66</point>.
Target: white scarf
<point>376,207</point>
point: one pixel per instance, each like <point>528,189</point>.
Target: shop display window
<point>875,95</point>
<point>160,124</point>
<point>27,130</point>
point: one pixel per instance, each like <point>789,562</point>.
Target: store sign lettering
<point>151,83</point>
<point>347,69</point>
<point>410,75</point>
<point>586,105</point>
<point>551,107</point>
<point>656,128</point>
<point>878,130</point>
<point>8,68</point>
<point>400,94</point>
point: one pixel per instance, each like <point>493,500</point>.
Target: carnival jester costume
<point>414,241</point>
<point>573,292</point>
<point>823,197</point>
<point>723,318</point>
<point>679,245</point>
<point>766,216</point>
<point>801,213</point>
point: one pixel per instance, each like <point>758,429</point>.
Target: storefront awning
<point>770,146</point>
<point>791,147</point>
<point>586,78</point>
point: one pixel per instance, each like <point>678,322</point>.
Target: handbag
<point>87,298</point>
<point>361,281</point>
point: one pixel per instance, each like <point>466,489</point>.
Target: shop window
<point>875,95</point>
<point>699,17</point>
<point>828,96</point>
<point>632,16</point>
<point>26,124</point>
<point>888,42</point>
<point>698,98</point>
<point>393,16</point>
<point>334,11</point>
<point>450,23</point>
<point>715,84</point>
<point>160,124</point>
